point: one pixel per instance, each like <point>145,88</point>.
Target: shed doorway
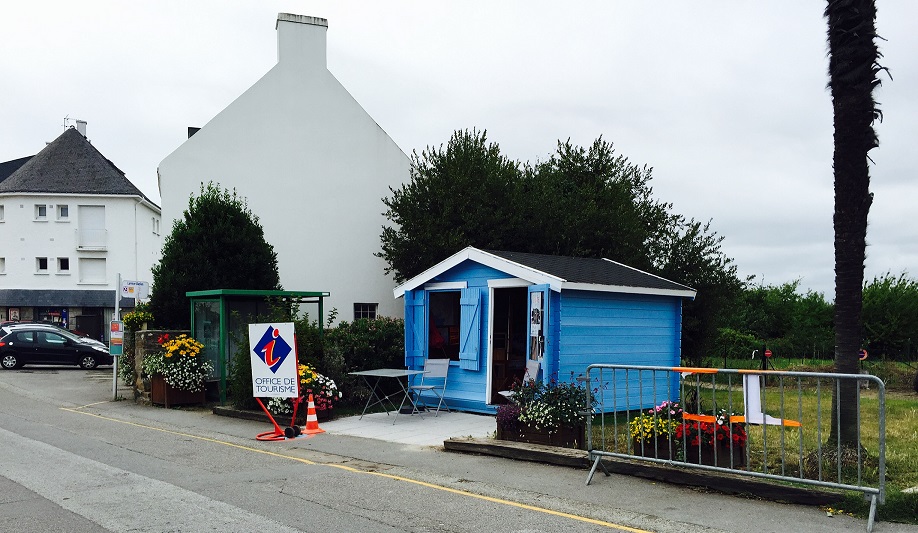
<point>509,331</point>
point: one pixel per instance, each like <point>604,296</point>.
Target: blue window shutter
<point>415,332</point>
<point>470,329</point>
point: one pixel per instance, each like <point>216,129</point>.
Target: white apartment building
<point>311,164</point>
<point>70,222</point>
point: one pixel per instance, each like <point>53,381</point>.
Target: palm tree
<point>853,72</point>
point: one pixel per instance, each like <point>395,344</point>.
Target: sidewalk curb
<point>724,483</point>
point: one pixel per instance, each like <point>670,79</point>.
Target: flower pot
<point>705,455</point>
<point>161,393</point>
<point>564,437</point>
<point>660,447</point>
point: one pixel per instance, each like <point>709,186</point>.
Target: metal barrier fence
<point>764,424</point>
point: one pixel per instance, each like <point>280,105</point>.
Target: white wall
<point>131,247</point>
<point>312,165</point>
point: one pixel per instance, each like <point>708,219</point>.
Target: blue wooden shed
<point>490,311</point>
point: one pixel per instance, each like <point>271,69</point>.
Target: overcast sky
<point>726,100</point>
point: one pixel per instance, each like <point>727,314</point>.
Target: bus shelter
<point>220,318</point>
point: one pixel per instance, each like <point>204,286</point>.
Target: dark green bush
<point>363,344</point>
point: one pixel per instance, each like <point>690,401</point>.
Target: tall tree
<point>582,202</point>
<point>590,202</point>
<point>853,72</point>
<point>458,195</point>
<point>691,254</point>
<point>217,244</point>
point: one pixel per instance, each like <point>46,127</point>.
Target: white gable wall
<point>312,165</point>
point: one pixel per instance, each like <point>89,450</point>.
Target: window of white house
<point>63,264</point>
<point>63,212</point>
<point>92,270</point>
<point>155,226</point>
<point>1,212</point>
<point>41,212</point>
<point>363,310</point>
<point>41,264</point>
<point>2,265</point>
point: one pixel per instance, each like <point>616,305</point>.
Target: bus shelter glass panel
<point>207,331</point>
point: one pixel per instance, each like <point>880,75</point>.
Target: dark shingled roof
<point>8,167</point>
<point>70,165</point>
<point>588,270</point>
<point>60,298</point>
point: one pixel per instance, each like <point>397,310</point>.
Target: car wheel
<point>88,362</point>
<point>9,361</point>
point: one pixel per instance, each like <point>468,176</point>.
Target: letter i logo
<point>272,348</point>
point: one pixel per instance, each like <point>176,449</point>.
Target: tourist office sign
<point>272,349</point>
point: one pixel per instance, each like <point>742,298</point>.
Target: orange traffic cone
<point>312,421</point>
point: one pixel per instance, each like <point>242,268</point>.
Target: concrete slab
<point>425,429</point>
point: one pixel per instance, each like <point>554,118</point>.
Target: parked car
<point>40,345</point>
<point>6,328</point>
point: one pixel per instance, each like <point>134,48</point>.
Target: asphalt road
<point>73,460</point>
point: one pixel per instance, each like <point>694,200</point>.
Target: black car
<point>43,346</point>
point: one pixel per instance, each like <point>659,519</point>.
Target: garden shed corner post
<point>218,314</point>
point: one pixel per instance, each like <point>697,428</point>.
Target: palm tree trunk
<point>852,77</point>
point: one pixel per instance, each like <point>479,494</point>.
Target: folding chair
<point>435,370</point>
<point>532,372</point>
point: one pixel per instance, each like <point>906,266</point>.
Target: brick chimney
<point>301,39</point>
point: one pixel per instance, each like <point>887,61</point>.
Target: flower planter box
<point>723,455</point>
<point>565,437</point>
<point>658,448</point>
<point>161,393</point>
<point>323,415</point>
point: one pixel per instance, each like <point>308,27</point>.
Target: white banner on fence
<point>272,349</point>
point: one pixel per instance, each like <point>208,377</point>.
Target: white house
<point>70,222</point>
<point>312,165</point>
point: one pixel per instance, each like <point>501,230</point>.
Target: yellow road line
<point>380,474</point>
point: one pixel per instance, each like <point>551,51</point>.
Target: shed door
<point>538,320</point>
<point>415,330</point>
<point>470,329</point>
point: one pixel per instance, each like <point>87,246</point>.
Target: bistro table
<point>376,397</point>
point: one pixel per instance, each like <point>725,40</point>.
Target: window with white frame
<point>2,265</point>
<point>41,264</point>
<point>155,226</point>
<point>63,212</point>
<point>1,212</point>
<point>63,264</point>
<point>365,310</point>
<point>41,212</point>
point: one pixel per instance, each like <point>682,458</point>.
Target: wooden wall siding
<point>465,389</point>
<point>625,329</point>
